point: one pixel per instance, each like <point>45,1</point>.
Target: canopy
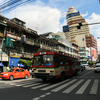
<point>20,65</point>
<point>1,65</point>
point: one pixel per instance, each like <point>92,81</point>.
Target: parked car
<point>15,73</point>
<point>97,68</point>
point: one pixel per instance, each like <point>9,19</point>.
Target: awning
<point>19,65</point>
<point>1,65</point>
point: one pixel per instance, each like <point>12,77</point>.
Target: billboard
<point>93,54</point>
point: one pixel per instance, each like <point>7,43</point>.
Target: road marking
<point>73,86</point>
<point>51,86</point>
<point>82,89</point>
<point>62,86</point>
<point>48,93</point>
<point>32,85</point>
<point>22,84</point>
<point>86,74</point>
<point>94,87</point>
<point>42,96</point>
<point>37,98</point>
<point>39,86</point>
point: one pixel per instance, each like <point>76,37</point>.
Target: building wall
<point>91,42</point>
<point>80,41</point>
<point>73,18</point>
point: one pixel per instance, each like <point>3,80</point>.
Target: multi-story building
<point>77,29</point>
<point>75,32</point>
<point>18,42</point>
<point>64,46</point>
<point>91,43</point>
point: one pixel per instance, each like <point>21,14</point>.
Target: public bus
<point>53,65</point>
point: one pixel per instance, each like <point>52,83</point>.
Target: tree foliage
<point>27,63</point>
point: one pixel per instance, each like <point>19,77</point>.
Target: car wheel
<point>11,77</point>
<point>26,76</point>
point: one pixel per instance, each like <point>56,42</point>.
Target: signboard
<point>93,54</point>
<point>23,38</point>
<point>65,28</point>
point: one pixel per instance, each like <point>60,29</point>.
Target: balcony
<point>37,44</point>
<point>12,35</point>
<point>28,41</point>
<point>23,55</point>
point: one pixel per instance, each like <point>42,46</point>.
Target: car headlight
<point>5,74</point>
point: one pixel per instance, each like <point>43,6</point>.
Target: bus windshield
<point>41,60</point>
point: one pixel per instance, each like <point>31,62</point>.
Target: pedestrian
<point>30,71</point>
<point>7,68</point>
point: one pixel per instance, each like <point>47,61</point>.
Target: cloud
<point>41,19</point>
<point>94,18</point>
<point>84,15</point>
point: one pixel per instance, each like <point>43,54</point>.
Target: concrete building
<point>73,18</point>
<point>18,42</point>
<point>77,29</point>
<point>65,46</point>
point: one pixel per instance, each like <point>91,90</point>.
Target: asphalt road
<point>84,86</point>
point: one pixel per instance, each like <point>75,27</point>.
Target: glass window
<point>21,70</point>
<point>43,60</point>
<point>11,70</point>
<point>48,60</point>
<point>17,70</point>
<point>37,60</point>
<point>57,61</point>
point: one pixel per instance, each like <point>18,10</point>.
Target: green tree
<point>27,63</point>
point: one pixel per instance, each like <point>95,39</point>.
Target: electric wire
<point>18,4</point>
<point>9,3</point>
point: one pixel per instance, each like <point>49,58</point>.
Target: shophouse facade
<point>19,42</point>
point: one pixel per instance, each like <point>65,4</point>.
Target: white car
<point>97,68</point>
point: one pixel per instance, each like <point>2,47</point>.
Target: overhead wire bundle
<point>12,4</point>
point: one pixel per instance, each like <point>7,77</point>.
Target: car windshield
<point>11,70</point>
<point>46,60</point>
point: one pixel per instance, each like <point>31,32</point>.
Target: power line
<point>9,3</point>
<point>18,4</point>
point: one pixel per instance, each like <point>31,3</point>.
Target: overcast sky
<point>50,15</point>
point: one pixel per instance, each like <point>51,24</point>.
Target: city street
<point>84,86</point>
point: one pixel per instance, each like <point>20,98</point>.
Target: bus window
<point>37,60</point>
<point>57,61</point>
<point>61,60</point>
<point>65,60</point>
<point>48,60</point>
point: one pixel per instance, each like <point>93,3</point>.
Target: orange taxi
<point>15,73</point>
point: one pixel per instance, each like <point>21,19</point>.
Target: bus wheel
<point>44,79</point>
<point>62,76</point>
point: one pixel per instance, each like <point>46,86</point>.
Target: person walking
<point>30,71</point>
